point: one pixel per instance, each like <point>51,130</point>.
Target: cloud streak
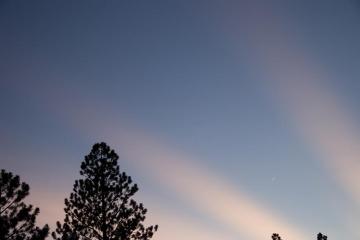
<point>328,129</point>
<point>298,83</point>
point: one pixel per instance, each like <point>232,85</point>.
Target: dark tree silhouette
<point>320,236</point>
<point>101,206</point>
<point>17,219</point>
<point>275,236</point>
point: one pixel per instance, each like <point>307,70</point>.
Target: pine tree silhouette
<point>17,219</point>
<point>101,205</point>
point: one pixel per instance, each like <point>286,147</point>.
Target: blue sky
<point>236,118</point>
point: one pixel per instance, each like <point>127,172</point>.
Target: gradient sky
<point>236,118</point>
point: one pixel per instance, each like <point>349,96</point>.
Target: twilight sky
<point>236,118</point>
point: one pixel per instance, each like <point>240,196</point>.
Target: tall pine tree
<point>17,219</point>
<point>101,205</point>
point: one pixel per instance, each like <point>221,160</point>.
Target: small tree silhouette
<point>17,219</point>
<point>101,205</point>
<point>320,236</point>
<point>275,236</point>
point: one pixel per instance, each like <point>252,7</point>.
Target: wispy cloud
<point>177,225</point>
<point>298,81</point>
<point>327,127</point>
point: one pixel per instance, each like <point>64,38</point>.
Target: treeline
<point>101,205</point>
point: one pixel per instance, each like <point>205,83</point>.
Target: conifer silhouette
<point>101,206</point>
<point>17,219</point>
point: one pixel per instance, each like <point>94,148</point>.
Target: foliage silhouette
<point>101,205</point>
<point>320,236</point>
<point>275,236</point>
<point>17,219</point>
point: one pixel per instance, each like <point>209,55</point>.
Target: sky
<point>236,119</point>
